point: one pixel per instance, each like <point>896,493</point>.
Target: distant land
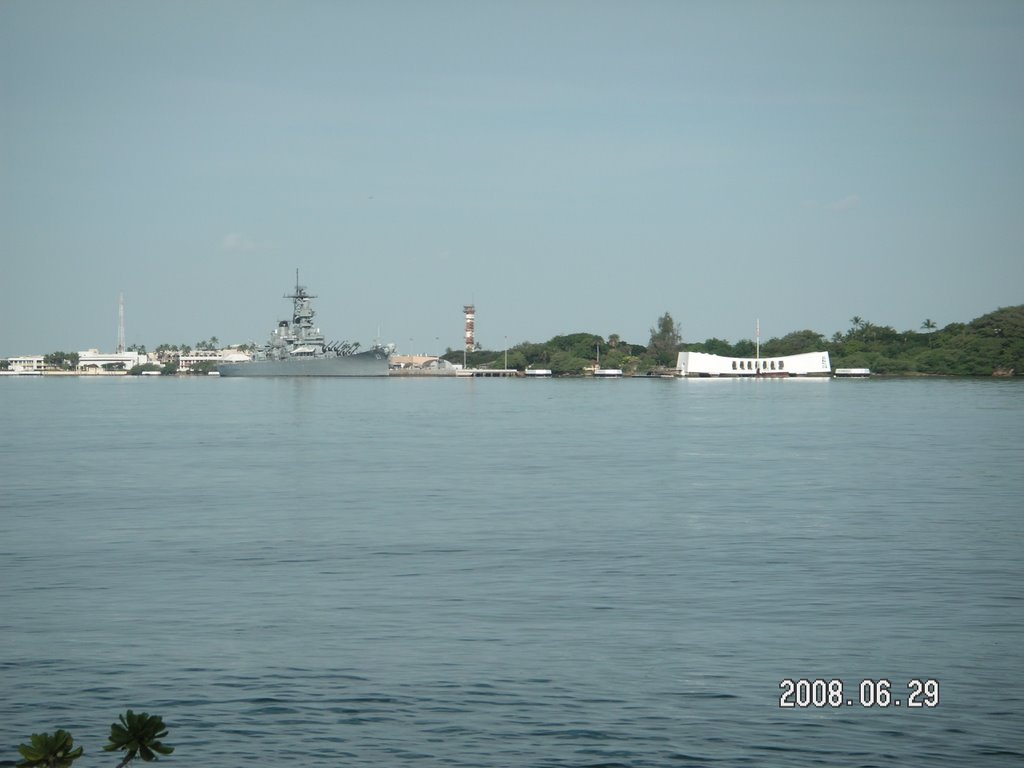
<point>990,345</point>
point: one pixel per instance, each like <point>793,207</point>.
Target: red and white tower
<point>470,312</point>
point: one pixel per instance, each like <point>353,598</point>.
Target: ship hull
<point>371,363</point>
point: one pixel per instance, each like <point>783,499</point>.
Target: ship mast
<point>302,312</point>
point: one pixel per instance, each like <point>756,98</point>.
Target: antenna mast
<point>757,346</point>
<point>120,323</point>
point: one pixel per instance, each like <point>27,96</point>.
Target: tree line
<point>570,354</point>
<point>990,344</point>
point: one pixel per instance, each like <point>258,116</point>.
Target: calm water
<point>513,573</point>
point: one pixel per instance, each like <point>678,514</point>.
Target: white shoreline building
<point>704,364</point>
<point>186,362</point>
<point>26,364</point>
<point>94,360</point>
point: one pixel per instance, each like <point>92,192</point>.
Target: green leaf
<point>50,751</point>
<point>138,735</point>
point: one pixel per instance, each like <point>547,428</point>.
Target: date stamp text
<point>878,694</point>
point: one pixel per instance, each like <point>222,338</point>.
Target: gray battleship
<point>297,348</point>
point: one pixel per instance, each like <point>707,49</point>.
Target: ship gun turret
<point>343,347</point>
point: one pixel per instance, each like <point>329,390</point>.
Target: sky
<point>565,166</point>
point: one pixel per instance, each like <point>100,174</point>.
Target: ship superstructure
<point>298,348</point>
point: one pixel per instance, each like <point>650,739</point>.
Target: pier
<point>487,373</point>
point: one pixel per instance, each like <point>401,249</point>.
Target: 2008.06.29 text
<point>881,693</point>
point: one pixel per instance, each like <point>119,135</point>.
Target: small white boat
<point>605,373</point>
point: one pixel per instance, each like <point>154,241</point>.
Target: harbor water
<point>460,572</point>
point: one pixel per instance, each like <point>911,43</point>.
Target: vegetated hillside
<point>992,343</point>
<point>564,355</point>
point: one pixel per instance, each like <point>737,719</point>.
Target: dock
<point>487,373</point>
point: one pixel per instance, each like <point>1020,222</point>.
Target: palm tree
<point>858,325</point>
<point>138,736</point>
<point>49,751</point>
<point>929,325</point>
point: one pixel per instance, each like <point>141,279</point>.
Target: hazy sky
<point>567,166</point>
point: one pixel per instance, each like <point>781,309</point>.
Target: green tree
<point>56,750</point>
<point>63,360</point>
<point>138,370</point>
<point>208,344</point>
<point>204,367</point>
<point>713,346</point>
<point>928,324</point>
<point>793,343</point>
<point>516,359</point>
<point>564,362</point>
<point>580,345</point>
<point>666,340</point>
<point>138,735</point>
<point>744,348</point>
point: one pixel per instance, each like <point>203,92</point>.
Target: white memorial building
<point>704,364</point>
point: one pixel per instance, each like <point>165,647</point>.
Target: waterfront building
<point>215,356</point>
<point>92,360</point>
<point>25,363</point>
